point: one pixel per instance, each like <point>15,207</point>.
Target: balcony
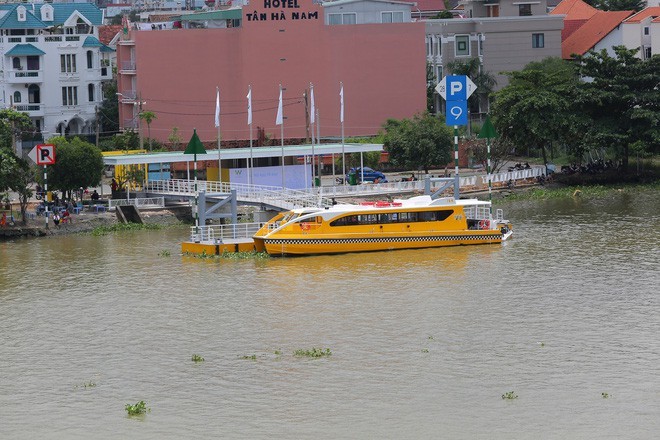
<point>31,109</point>
<point>127,96</point>
<point>129,123</point>
<point>19,76</point>
<point>128,67</point>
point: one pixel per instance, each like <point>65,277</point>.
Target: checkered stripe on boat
<point>380,239</point>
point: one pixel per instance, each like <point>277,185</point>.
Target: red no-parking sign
<point>43,154</point>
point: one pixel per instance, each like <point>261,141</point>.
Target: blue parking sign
<point>456,88</point>
<point>456,113</point>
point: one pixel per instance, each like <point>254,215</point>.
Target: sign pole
<point>456,177</point>
<point>45,196</point>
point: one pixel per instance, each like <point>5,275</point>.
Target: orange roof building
<point>577,13</point>
<point>602,30</point>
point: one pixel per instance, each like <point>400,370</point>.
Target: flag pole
<point>280,114</point>
<point>251,166</point>
<point>217,125</point>
<point>341,118</point>
<point>312,120</point>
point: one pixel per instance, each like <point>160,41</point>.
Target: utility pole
<point>139,121</point>
<point>96,111</point>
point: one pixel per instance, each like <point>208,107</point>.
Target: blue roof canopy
<point>24,50</point>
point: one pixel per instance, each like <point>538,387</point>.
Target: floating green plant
<point>86,385</point>
<point>542,344</point>
<point>250,357</point>
<point>425,350</point>
<point>278,352</point>
<point>430,337</point>
<point>605,395</point>
<point>164,253</point>
<point>509,395</point>
<point>197,358</point>
<point>314,352</point>
<point>137,409</point>
<point>121,227</point>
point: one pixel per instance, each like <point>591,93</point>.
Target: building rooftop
<point>574,10</point>
<point>591,32</point>
<point>653,12</point>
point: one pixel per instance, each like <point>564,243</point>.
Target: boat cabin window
<point>392,217</point>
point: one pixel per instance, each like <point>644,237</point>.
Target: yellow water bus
<point>418,222</point>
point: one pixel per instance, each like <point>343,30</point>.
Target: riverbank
<point>87,222</point>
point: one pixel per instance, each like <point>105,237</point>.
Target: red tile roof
<point>574,10</point>
<point>590,33</point>
<point>571,26</point>
<point>429,5</point>
<point>108,32</point>
<point>653,12</point>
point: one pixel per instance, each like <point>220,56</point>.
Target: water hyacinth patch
<point>137,409</point>
<point>314,352</point>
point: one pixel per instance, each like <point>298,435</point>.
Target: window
<point>17,97</point>
<point>90,59</point>
<point>20,11</point>
<point>646,30</point>
<point>462,45</point>
<point>438,75</point>
<point>393,217</point>
<point>16,63</point>
<point>647,53</point>
<point>68,63</point>
<point>438,45</point>
<point>69,95</point>
<point>538,41</point>
<point>481,44</point>
<point>90,92</point>
<point>525,10</point>
<point>391,17</point>
<point>349,18</point>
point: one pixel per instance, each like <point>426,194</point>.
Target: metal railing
<point>147,202</point>
<point>218,233</point>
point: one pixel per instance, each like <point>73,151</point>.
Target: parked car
<point>369,175</point>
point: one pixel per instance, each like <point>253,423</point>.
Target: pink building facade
<point>174,73</point>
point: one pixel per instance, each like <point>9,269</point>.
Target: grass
<point>230,255</point>
<point>591,191</point>
<point>197,358</point>
<point>137,409</point>
<point>313,353</point>
<point>509,395</point>
<point>123,227</point>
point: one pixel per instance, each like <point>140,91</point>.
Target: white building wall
<point>655,38</point>
<point>614,38</point>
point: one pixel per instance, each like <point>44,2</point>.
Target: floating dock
<point>226,246</point>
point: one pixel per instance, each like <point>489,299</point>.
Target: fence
<point>144,203</point>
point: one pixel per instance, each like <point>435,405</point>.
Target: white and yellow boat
<point>418,222</point>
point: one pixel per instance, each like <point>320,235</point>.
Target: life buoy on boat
<point>304,226</point>
<point>484,224</point>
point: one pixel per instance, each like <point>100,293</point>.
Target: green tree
<point>621,100</point>
<point>485,82</point>
<point>109,110</point>
<point>16,175</point>
<point>13,123</point>
<point>420,142</point>
<point>618,5</point>
<point>148,116</point>
<point>79,164</point>
<point>535,109</point>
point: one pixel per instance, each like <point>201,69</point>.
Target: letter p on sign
<point>45,154</point>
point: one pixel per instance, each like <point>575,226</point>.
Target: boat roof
<point>397,204</point>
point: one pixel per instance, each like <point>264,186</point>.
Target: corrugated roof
<point>227,14</point>
<point>590,33</point>
<point>24,50</point>
<point>574,10</point>
<point>653,12</point>
<point>62,11</point>
<point>92,41</point>
<point>10,19</point>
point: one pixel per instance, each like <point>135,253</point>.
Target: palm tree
<point>148,116</point>
<point>485,81</point>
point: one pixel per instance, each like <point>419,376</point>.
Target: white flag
<point>217,107</point>
<point>312,117</point>
<point>280,116</point>
<point>341,96</point>
<point>249,98</point>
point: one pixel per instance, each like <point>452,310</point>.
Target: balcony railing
<point>30,108</point>
<point>128,65</point>
<point>25,76</point>
<point>128,95</point>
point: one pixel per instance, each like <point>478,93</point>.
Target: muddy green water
<point>424,343</point>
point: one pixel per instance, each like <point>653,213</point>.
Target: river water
<point>424,343</point>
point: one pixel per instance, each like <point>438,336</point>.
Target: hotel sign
<point>281,10</point>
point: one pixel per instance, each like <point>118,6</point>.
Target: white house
<point>643,30</point>
<point>53,64</point>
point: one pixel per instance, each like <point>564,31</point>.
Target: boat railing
<point>478,212</point>
<point>220,233</point>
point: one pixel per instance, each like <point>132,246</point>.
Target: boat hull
<point>302,245</point>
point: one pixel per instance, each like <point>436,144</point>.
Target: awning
<point>92,42</point>
<point>24,50</point>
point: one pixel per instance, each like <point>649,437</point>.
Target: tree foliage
<point>79,164</point>
<point>618,5</point>
<point>418,143</point>
<point>621,100</point>
<point>13,122</point>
